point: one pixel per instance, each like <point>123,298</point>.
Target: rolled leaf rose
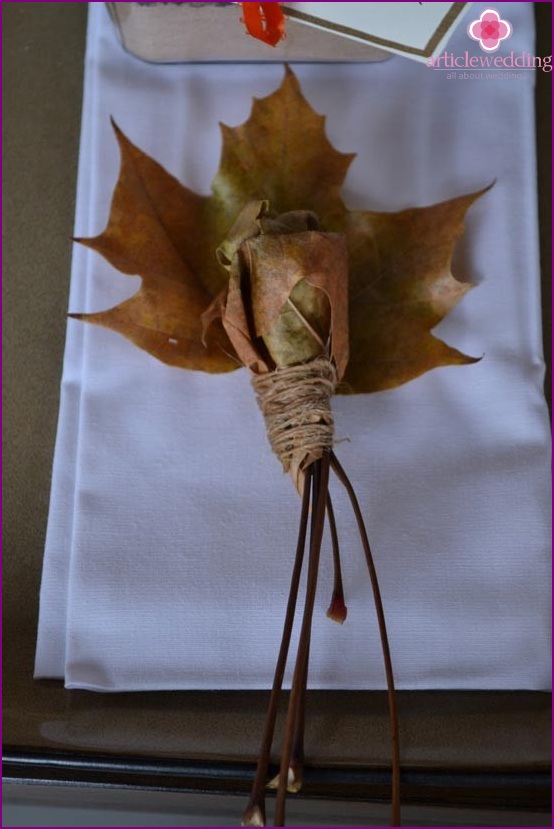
<point>286,307</point>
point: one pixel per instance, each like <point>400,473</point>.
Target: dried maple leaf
<point>399,263</point>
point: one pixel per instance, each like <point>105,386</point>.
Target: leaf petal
<point>166,323</point>
<point>151,232</point>
<point>401,288</point>
<point>282,154</point>
<point>154,222</point>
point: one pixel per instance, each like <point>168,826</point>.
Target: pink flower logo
<point>490,30</point>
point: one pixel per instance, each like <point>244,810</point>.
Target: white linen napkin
<point>172,528</point>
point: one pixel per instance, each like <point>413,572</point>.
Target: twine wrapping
<point>296,404</point>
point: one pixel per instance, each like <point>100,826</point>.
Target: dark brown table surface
<point>482,749</point>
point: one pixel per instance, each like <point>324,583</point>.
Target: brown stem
<point>321,480</point>
<point>254,814</point>
<point>296,766</point>
<point>337,609</point>
<point>393,713</point>
<point>297,755</point>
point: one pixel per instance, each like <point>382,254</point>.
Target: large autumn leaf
<point>400,286</point>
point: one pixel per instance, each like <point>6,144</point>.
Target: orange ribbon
<point>264,21</point>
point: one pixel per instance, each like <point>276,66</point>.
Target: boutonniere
<point>274,273</point>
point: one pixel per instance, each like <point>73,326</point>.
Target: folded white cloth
<point>172,528</point>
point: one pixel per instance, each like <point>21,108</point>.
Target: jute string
<point>295,403</point>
